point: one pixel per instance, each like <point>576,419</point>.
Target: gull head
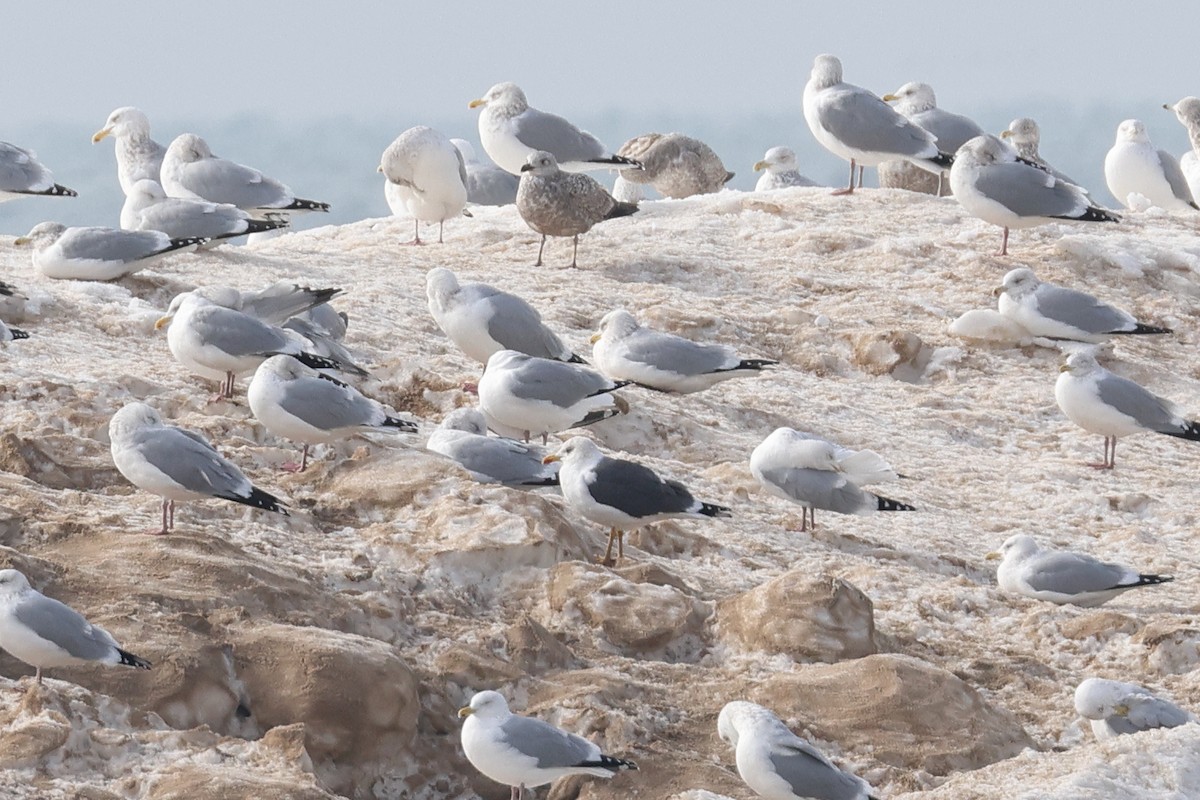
<point>540,163</point>
<point>506,359</point>
<point>132,418</point>
<point>287,368</point>
<point>1080,363</point>
<point>470,420</point>
<point>1015,547</point>
<point>617,324</point>
<point>188,299</point>
<point>125,121</point>
<point>735,716</point>
<point>913,97</point>
<point>188,147</point>
<point>984,150</point>
<point>777,159</point>
<point>576,450</point>
<point>440,285</point>
<point>147,191</point>
<point>503,95</point>
<point>1187,110</point>
<point>1133,130</point>
<point>1018,283</point>
<point>486,705</point>
<point>1022,130</point>
<point>826,71</point>
<point>1096,698</point>
<point>12,582</point>
<point>43,234</point>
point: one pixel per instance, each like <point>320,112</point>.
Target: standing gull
<point>177,464</point>
<point>990,183</point>
<point>1134,167</point>
<point>1025,136</point>
<point>138,156</point>
<point>21,175</point>
<point>428,177</point>
<point>918,104</point>
<point>675,165</point>
<point>1100,402</point>
<point>463,437</point>
<point>1115,708</point>
<point>1063,577</point>
<point>525,752</point>
<point>298,403</point>
<point>818,474</point>
<point>98,254</point>
<point>781,172</point>
<point>487,184</point>
<point>147,208</point>
<point>854,124</point>
<point>511,131</point>
<point>777,764</point>
<point>1187,111</point>
<point>624,350</point>
<point>1055,312</point>
<point>622,495</point>
<point>44,632</point>
<point>557,203</point>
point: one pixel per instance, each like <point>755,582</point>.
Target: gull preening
<point>22,175</point>
<point>487,184</point>
<point>147,208</point>
<point>426,177</point>
<point>781,172</point>
<point>98,254</point>
<point>463,437</point>
<point>1115,708</point>
<point>1134,169</point>
<point>138,156</point>
<point>675,165</point>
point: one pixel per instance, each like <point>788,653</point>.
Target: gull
<point>299,403</point>
<point>98,254</point>
<point>428,177</point>
<point>991,183</point>
<point>557,203</point>
<point>1063,577</point>
<point>854,124</point>
<point>1115,708</point>
<point>675,165</point>
<point>781,172</point>
<point>178,464</point>
<point>511,131</point>
<point>1024,135</point>
<point>816,474</point>
<point>9,334</point>
<point>487,184</point>
<point>918,104</point>
<point>1187,111</point>
<point>275,304</point>
<point>1133,166</point>
<point>777,764</point>
<point>1100,402</point>
<point>525,752</point>
<point>463,437</point>
<point>147,208</point>
<point>624,350</point>
<point>45,633</point>
<point>138,156</point>
<point>1055,312</point>
<point>22,175</point>
<point>622,495</point>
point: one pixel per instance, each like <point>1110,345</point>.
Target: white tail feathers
<point>864,467</point>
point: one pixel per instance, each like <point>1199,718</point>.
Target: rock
<point>903,175</point>
<point>1174,647</point>
<point>221,782</point>
<point>533,649</point>
<point>26,740</point>
<point>1101,624</point>
<point>821,619</point>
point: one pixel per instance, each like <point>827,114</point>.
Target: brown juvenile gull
<point>557,203</point>
<point>675,165</point>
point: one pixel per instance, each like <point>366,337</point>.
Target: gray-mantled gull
<point>557,203</point>
<point>624,350</point>
<point>428,177</point>
<point>1055,312</point>
<point>274,304</point>
<point>45,633</point>
<point>990,183</point>
<point>138,156</point>
<point>482,320</point>
<point>511,131</point>
<point>1062,576</point>
<point>190,170</point>
<point>777,764</point>
<point>781,172</point>
<point>543,396</point>
<point>298,403</point>
<point>1025,136</point>
<point>1187,111</point>
<point>147,208</point>
<point>98,254</point>
<point>1100,402</point>
<point>1115,708</point>
<point>522,752</point>
<point>487,184</point>
<point>917,103</point>
<point>22,175</point>
<point>177,464</point>
<point>8,334</point>
<point>463,437</point>
<point>816,474</point>
<point>1133,167</point>
<point>856,125</point>
<point>622,495</point>
<point>675,165</point>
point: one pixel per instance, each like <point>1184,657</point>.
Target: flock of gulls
<point>289,340</point>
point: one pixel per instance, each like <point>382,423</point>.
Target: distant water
<point>335,160</point>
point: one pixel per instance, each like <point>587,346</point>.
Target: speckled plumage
<point>675,165</point>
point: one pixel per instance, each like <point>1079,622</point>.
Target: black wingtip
<point>314,361</point>
<point>264,225</point>
<point>130,660</point>
<point>943,160</point>
<point>608,762</point>
<point>1143,329</point>
<point>714,510</point>
<point>305,205</point>
<point>729,176</point>
<point>187,241</point>
<point>618,161</point>
<point>1191,431</point>
<point>1153,580</point>
<point>575,359</point>
<point>1094,214</point>
<point>58,190</point>
<point>616,385</point>
<point>259,499</point>
<point>550,481</point>
<point>592,417</point>
<point>756,364</point>
<point>888,504</point>
<point>621,209</point>
<point>400,424</point>
<point>17,333</point>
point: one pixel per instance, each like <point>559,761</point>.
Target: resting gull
<point>1133,168</point>
<point>147,208</point>
<point>463,437</point>
<point>427,176</point>
<point>487,184</point>
<point>781,172</point>
<point>98,254</point>
<point>9,334</point>
<point>1115,708</point>
<point>675,165</point>
<point>917,103</point>
<point>22,175</point>
<point>1024,135</point>
<point>1187,111</point>
<point>275,304</point>
<point>138,156</point>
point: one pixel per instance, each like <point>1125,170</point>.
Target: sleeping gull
<point>1055,312</point>
<point>992,184</point>
<point>147,208</point>
<point>482,320</point>
<point>1100,402</point>
<point>557,203</point>
<point>1025,136</point>
<point>138,156</point>
<point>427,175</point>
<point>511,131</point>
<point>777,764</point>
<point>177,464</point>
<point>781,172</point>
<point>1187,111</point>
<point>675,165</point>
<point>299,403</point>
<point>917,103</point>
<point>1134,167</point>
<point>8,334</point>
<point>1115,708</point>
<point>22,175</point>
<point>543,396</point>
<point>98,254</point>
<point>274,304</point>
<point>1063,577</point>
<point>622,495</point>
<point>44,632</point>
<point>854,124</point>
<point>816,474</point>
<point>525,752</point>
<point>487,184</point>
<point>191,170</point>
<point>624,350</point>
<point>463,437</point>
